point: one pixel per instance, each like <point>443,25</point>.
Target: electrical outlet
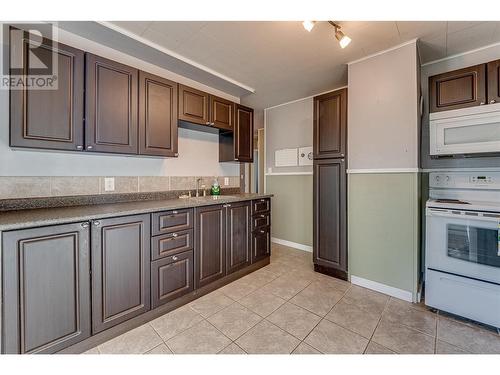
<point>226,181</point>
<point>109,184</point>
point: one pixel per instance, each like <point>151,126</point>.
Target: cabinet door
<point>221,113</point>
<point>329,220</point>
<point>48,119</point>
<point>458,89</point>
<point>46,291</point>
<point>193,105</point>
<point>330,125</point>
<point>111,106</point>
<point>171,278</point>
<point>210,244</point>
<point>261,244</point>
<point>120,270</point>
<point>157,116</point>
<point>243,134</point>
<point>238,245</point>
<point>494,82</point>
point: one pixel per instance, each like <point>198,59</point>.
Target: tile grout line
<point>378,323</point>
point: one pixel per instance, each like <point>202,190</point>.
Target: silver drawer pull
<point>174,258</point>
<point>262,231</point>
<point>174,235</point>
<point>175,212</point>
<point>262,216</point>
<point>85,225</point>
<point>262,200</point>
<point>97,223</point>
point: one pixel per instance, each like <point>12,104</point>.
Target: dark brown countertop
<point>20,219</point>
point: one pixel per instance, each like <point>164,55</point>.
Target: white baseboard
<point>295,245</point>
<point>382,288</point>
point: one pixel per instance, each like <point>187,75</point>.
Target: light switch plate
<point>226,181</point>
<point>109,184</point>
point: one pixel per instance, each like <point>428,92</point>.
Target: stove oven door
<point>464,243</point>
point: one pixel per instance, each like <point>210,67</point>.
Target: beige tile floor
<point>288,308</point>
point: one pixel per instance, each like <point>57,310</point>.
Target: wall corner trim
<point>295,245</point>
<point>411,41</point>
<point>382,288</point>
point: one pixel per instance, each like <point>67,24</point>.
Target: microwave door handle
<point>447,213</point>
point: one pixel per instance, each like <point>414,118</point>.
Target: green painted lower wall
<point>384,228</point>
<point>292,210</point>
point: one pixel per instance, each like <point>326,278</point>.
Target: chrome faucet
<point>198,180</point>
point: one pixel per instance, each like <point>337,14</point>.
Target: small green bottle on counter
<point>215,190</point>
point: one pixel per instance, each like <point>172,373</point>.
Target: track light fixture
<point>343,39</point>
<point>308,25</point>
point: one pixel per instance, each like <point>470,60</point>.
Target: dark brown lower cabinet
<point>210,244</point>
<point>261,244</point>
<point>238,245</point>
<point>120,270</point>
<point>171,277</point>
<point>46,288</point>
<point>329,222</point>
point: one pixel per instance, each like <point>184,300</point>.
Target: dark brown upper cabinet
<point>111,106</point>
<point>193,105</point>
<point>157,116</point>
<point>238,240</point>
<point>49,118</point>
<point>238,145</point>
<point>210,244</point>
<point>120,270</point>
<point>458,89</point>
<point>221,113</point>
<point>494,82</point>
<point>46,288</point>
<point>330,125</point>
<point>329,221</point>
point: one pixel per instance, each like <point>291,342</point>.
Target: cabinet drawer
<point>171,243</point>
<point>171,278</point>
<point>261,220</point>
<point>261,205</point>
<point>172,221</point>
<point>261,244</point>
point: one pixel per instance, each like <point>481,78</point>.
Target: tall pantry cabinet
<point>330,183</point>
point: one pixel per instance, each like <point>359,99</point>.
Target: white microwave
<point>465,131</point>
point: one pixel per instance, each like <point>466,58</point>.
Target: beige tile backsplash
<point>32,187</point>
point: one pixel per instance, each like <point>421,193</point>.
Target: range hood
<point>471,130</point>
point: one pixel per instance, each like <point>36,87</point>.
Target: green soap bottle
<point>215,190</point>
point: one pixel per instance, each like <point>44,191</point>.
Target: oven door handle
<point>462,215</point>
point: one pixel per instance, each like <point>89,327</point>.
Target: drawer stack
<point>171,255</point>
<point>261,229</point>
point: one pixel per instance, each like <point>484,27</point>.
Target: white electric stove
<point>462,255</point>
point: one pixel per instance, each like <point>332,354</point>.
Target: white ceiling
<point>283,62</point>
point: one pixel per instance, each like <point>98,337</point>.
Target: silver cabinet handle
<point>228,205</point>
<point>262,216</point>
<point>79,147</point>
<point>85,225</point>
<point>262,231</point>
<point>96,223</point>
<point>175,212</point>
<point>492,101</point>
<point>262,200</point>
<point>90,147</point>
<point>174,258</point>
<point>174,235</point>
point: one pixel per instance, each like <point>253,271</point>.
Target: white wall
<point>382,110</point>
<point>288,126</point>
<point>198,152</point>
